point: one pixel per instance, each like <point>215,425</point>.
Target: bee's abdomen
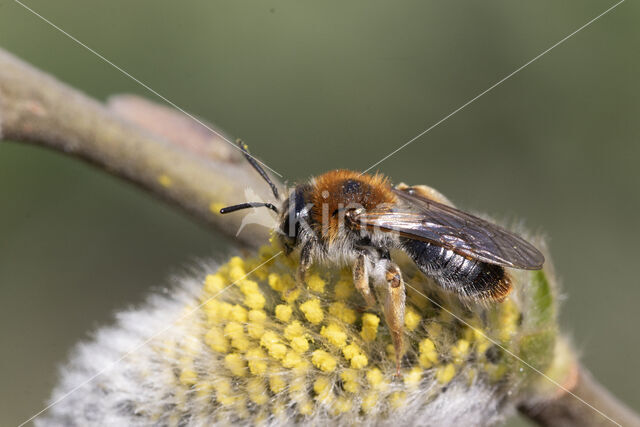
<point>469,277</point>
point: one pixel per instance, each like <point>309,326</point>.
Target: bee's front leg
<point>361,280</point>
<point>305,264</point>
<point>394,309</point>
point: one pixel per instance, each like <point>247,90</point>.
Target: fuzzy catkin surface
<point>239,344</point>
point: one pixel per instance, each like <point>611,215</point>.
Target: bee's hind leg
<point>361,280</point>
<point>394,306</point>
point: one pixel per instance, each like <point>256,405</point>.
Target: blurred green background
<point>313,86</point>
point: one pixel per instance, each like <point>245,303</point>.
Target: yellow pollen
<point>283,312</point>
<point>234,330</point>
<point>276,282</point>
<point>306,408</point>
<point>341,405</point>
<point>411,319</point>
<point>257,391</point>
<point>237,273</point>
<point>369,327</point>
<point>342,312</point>
<point>376,379</point>
<point>334,334</point>
<point>428,354</point>
<point>248,287</point>
<point>257,316</point>
<point>291,295</point>
<point>349,379</point>
<point>322,388</point>
<point>257,361</point>
<point>343,289</point>
<point>413,377</point>
<point>445,373</point>
<point>369,402</point>
<point>294,329</point>
<point>316,283</point>
<point>277,384</point>
<point>312,310</point>
<point>397,399</point>
<point>355,354</point>
<point>214,283</point>
<point>291,359</point>
<point>255,300</point>
<point>239,314</point>
<point>165,180</point>
<point>274,346</point>
<point>299,344</point>
<point>323,361</point>
<point>235,364</point>
<point>188,377</point>
<point>460,350</point>
<point>215,339</point>
<point>223,392</point>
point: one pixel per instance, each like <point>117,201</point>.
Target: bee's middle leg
<point>394,307</point>
<point>361,280</point>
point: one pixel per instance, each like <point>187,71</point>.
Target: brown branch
<point>561,409</point>
<point>161,150</point>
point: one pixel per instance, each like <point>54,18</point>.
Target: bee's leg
<point>394,309</point>
<point>361,280</point>
<point>305,263</point>
<point>424,191</point>
<point>303,267</point>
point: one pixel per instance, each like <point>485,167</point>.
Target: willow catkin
<point>240,344</point>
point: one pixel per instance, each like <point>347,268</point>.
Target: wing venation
<point>420,218</point>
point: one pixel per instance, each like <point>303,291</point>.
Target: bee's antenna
<point>257,167</point>
<point>234,208</point>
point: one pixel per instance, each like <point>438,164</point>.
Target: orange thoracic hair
<point>341,189</point>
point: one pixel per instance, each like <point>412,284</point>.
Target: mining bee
<point>348,218</point>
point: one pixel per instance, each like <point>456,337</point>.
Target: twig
<point>563,409</point>
<point>157,148</point>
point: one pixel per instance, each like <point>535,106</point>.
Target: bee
<point>346,218</point>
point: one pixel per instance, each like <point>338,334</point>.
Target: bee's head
<point>294,216</point>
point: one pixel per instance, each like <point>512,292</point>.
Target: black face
<point>296,214</point>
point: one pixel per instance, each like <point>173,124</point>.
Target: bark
<point>565,409</point>
<point>161,150</point>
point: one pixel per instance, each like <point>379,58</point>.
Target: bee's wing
<point>419,218</point>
